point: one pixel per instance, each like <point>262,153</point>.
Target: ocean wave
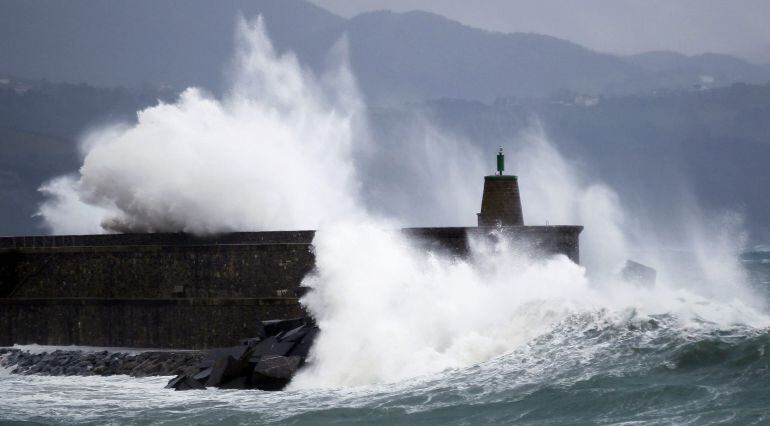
<point>588,367</point>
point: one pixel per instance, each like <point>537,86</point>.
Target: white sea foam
<point>274,154</point>
<point>284,151</point>
<point>389,311</point>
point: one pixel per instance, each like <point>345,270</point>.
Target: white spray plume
<point>553,191</point>
<point>275,154</point>
<point>393,311</point>
<point>279,152</point>
<point>390,311</point>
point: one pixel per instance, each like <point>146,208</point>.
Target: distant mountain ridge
<point>396,56</point>
<point>640,145</point>
<point>676,69</point>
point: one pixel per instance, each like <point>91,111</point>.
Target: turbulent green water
<point>590,367</point>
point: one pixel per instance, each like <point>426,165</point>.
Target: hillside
<point>411,56</point>
<point>712,143</point>
<point>655,150</point>
<point>40,125</point>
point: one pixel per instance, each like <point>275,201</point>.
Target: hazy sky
<point>739,27</point>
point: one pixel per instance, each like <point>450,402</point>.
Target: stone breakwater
<point>266,361</point>
<point>185,291</point>
<point>101,363</point>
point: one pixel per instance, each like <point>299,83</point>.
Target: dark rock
<point>172,384</point>
<point>262,348</point>
<point>149,367</point>
<point>275,327</point>
<point>206,363</point>
<point>237,352</point>
<point>203,375</point>
<point>267,361</point>
<point>181,383</point>
<point>251,341</point>
<point>294,335</point>
<point>226,369</point>
<point>237,383</point>
<point>270,346</point>
<point>274,372</point>
<point>302,348</point>
<point>261,331</point>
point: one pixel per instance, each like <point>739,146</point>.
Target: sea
<point>588,367</point>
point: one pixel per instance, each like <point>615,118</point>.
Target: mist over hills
<point>40,126</point>
<point>709,149</point>
<point>397,57</point>
<point>652,149</point>
<point>672,69</point>
<point>637,122</point>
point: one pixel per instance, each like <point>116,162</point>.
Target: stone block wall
<point>182,291</point>
<point>137,323</point>
<point>192,271</point>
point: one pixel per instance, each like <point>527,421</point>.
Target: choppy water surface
<point>597,367</point>
<point>589,370</point>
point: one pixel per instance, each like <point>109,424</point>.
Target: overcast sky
<point>739,27</point>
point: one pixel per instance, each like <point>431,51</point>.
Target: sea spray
<point>283,151</point>
<point>390,311</point>
<point>276,153</point>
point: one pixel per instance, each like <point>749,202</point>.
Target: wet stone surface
<point>266,362</point>
<point>102,363</point>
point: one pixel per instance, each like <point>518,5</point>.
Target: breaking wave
<point>587,367</point>
<point>409,334</point>
<point>275,153</point>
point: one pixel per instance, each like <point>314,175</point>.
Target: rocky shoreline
<point>267,361</point>
<point>98,363</point>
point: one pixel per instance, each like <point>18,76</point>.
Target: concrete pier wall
<point>179,290</point>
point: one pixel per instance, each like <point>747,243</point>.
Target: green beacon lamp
<point>500,162</point>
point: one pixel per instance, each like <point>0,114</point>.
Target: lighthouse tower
<point>501,203</point>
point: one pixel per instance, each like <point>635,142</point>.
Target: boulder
<point>270,346</point>
<point>251,341</point>
<point>184,383</point>
<point>203,375</point>
<point>227,369</point>
<point>302,348</point>
<point>267,362</point>
<point>237,352</point>
<point>295,334</point>
<point>275,327</point>
<point>273,372</point>
<point>237,383</point>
